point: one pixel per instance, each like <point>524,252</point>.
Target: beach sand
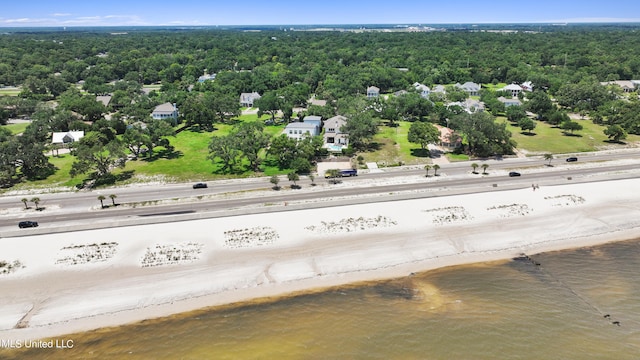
<point>77,281</point>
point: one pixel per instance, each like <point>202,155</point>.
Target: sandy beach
<point>63,283</point>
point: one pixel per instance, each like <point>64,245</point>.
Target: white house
<point>510,102</point>
<point>247,99</point>
<point>373,92</point>
<point>66,137</point>
<point>514,89</point>
<point>470,88</point>
<point>334,138</point>
<point>527,86</point>
<point>298,130</point>
<point>626,85</point>
<point>166,111</point>
<point>424,90</point>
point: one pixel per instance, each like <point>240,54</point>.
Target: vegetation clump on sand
<point>565,200</point>
<point>352,224</point>
<point>448,215</point>
<point>505,211</point>
<point>162,255</point>
<point>9,267</point>
<point>84,254</point>
<point>249,237</point>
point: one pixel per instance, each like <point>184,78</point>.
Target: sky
<point>29,13</point>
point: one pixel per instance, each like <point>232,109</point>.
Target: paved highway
<point>146,201</point>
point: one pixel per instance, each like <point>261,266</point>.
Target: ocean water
<point>577,304</point>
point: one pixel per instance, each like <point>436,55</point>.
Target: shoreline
<point>81,281</point>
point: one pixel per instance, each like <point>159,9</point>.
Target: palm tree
<point>24,200</point>
<point>312,178</point>
<point>36,200</point>
<point>484,168</point>
<point>435,169</point>
<point>548,157</point>
<point>474,166</point>
<point>427,168</point>
<point>113,198</point>
<point>101,198</point>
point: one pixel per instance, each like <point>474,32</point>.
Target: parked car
<point>27,224</point>
<point>200,186</point>
<point>572,159</point>
<point>514,173</point>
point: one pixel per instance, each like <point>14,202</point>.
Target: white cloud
<point>60,14</point>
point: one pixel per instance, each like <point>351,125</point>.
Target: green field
<point>550,139</point>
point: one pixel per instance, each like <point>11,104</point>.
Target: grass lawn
<point>393,147</point>
<point>550,139</point>
<point>17,128</point>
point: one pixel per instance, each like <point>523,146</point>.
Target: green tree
<point>475,167</point>
<point>312,178</point>
<point>275,180</point>
<point>485,166</point>
<point>426,169</point>
<point>24,201</point>
<point>293,177</point>
<point>539,103</point>
<point>484,136</point>
<point>527,125</point>
<point>515,113</point>
<point>36,202</point>
<point>570,126</point>
<point>436,167</point>
<point>270,103</point>
<point>615,133</point>
<point>113,199</point>
<point>226,149</point>
<point>361,128</point>
<point>101,198</point>
<point>95,153</point>
<point>251,141</point>
<point>548,157</point>
<point>423,133</point>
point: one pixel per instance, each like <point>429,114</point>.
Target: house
<point>316,102</point>
<point>470,88</point>
<point>510,102</point>
<point>424,90</point>
<point>334,139</point>
<point>104,99</point>
<point>66,137</point>
<point>400,93</point>
<point>626,85</point>
<point>473,106</point>
<point>298,130</point>
<point>247,99</point>
<point>206,77</point>
<point>373,92</point>
<point>514,89</point>
<point>166,111</point>
<point>527,86</point>
<point>447,137</point>
<point>314,120</point>
<point>439,89</point>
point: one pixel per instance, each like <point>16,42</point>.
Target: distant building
<point>104,99</point>
<point>166,111</point>
<point>510,102</point>
<point>470,88</point>
<point>66,137</point>
<point>424,90</point>
<point>206,77</point>
<point>247,99</point>
<point>373,92</point>
<point>527,86</point>
<point>298,130</point>
<point>514,89</point>
<point>626,85</point>
<point>314,120</point>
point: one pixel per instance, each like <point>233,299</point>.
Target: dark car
<point>200,186</point>
<point>27,224</point>
<point>514,173</point>
<point>572,159</point>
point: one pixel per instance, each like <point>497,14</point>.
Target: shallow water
<point>563,308</point>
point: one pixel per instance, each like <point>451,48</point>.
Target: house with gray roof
<point>626,85</point>
<point>510,102</point>
<point>470,88</point>
<point>334,138</point>
<point>424,90</point>
<point>166,111</point>
<point>514,89</point>
<point>247,99</point>
<point>298,130</point>
<point>373,92</point>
